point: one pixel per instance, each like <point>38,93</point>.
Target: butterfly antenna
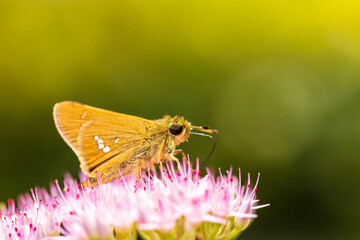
<point>209,136</point>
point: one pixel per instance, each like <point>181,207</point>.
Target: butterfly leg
<point>183,154</point>
<point>162,172</point>
<point>178,163</point>
<point>184,157</point>
<point>160,158</point>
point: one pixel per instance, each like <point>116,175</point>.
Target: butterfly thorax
<point>163,141</point>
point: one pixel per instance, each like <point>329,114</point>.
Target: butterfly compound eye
<point>176,129</point>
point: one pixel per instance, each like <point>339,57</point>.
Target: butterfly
<point>113,144</point>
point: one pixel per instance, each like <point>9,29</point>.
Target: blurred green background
<point>280,80</point>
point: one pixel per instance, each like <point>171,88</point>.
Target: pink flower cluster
<point>178,203</point>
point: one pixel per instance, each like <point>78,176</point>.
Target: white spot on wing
<point>106,149</point>
<point>101,146</point>
<point>116,140</point>
<point>96,137</point>
<point>100,141</point>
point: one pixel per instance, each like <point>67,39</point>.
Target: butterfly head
<point>180,129</point>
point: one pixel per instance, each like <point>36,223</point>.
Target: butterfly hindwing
<point>103,139</point>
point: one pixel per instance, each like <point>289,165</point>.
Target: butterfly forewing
<point>71,116</point>
<point>101,138</point>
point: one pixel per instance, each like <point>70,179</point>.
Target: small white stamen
<point>106,149</point>
<point>116,140</point>
<point>96,137</point>
<point>100,141</point>
<point>101,146</point>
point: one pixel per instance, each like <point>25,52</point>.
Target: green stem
<point>166,236</point>
<point>180,228</point>
<point>231,235</point>
<point>222,228</point>
<point>134,233</point>
<point>229,225</point>
<point>127,234</point>
<point>214,231</point>
<point>203,231</point>
<point>149,235</point>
